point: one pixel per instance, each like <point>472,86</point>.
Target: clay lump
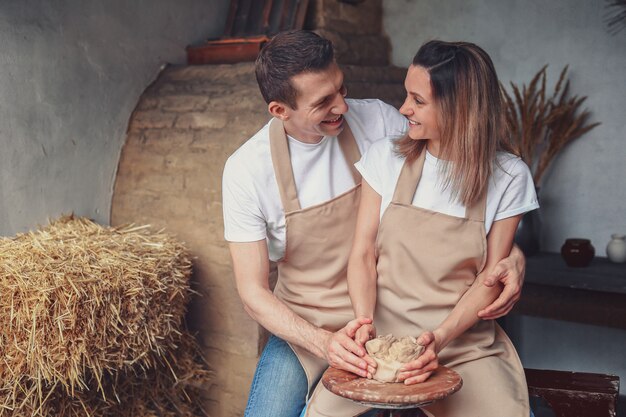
<point>390,353</point>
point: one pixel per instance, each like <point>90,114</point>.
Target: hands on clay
<point>420,369</point>
<point>343,352</point>
<point>510,273</point>
<point>364,333</point>
<point>391,354</point>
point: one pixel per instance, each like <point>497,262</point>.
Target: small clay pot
<point>577,253</point>
<point>616,249</point>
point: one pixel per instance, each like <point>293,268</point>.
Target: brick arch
<point>184,127</point>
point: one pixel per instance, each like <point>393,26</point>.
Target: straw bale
<point>173,387</point>
<point>79,301</point>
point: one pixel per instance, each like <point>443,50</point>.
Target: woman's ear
<point>278,110</point>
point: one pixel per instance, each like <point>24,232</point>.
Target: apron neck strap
<point>282,162</point>
<point>409,179</point>
<point>478,210</point>
<point>282,166</point>
<point>350,151</point>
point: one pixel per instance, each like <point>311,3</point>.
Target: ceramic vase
<point>577,253</point>
<point>616,249</point>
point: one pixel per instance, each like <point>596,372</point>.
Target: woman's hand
<point>365,333</point>
<point>421,368</point>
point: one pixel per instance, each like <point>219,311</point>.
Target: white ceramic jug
<point>616,249</point>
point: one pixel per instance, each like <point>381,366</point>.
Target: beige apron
<point>312,276</point>
<point>426,262</point>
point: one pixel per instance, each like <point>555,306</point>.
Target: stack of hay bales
<point>92,323</point>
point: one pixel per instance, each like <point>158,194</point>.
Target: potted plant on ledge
<point>540,127</point>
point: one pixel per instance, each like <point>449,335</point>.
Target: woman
<point>439,209</point>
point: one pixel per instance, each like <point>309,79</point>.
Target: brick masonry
<point>169,176</point>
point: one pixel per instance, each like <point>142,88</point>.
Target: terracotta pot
<point>577,252</point>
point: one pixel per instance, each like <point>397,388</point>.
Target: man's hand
<point>510,273</point>
<point>342,352</point>
<point>421,368</point>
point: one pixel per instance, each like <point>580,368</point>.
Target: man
<point>291,195</point>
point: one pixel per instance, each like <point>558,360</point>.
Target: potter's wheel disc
<point>443,382</point>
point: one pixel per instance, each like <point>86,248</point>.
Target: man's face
<point>320,105</point>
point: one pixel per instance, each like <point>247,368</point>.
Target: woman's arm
<point>465,313</point>
<point>362,262</point>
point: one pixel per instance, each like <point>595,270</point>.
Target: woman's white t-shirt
<point>511,190</point>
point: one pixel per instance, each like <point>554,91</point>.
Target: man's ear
<point>279,110</point>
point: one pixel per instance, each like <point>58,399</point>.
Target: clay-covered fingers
<point>364,333</point>
<point>344,353</point>
<point>420,369</point>
<point>353,325</point>
<point>418,378</point>
<point>426,338</point>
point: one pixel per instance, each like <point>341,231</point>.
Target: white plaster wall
<point>585,193</point>
<point>71,72</point>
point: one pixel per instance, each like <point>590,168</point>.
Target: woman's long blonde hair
<point>472,122</point>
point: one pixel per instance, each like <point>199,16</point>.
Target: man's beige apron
<point>426,262</point>
<point>312,276</point>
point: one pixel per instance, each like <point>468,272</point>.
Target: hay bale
<point>79,301</point>
<point>173,388</point>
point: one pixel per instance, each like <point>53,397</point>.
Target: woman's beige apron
<point>426,262</point>
<point>312,276</point>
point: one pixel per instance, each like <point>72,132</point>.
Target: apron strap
<point>282,162</point>
<point>350,150</point>
<point>282,167</point>
<point>409,179</point>
<point>478,210</point>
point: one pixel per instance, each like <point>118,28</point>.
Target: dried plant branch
<point>616,19</point>
<point>540,128</point>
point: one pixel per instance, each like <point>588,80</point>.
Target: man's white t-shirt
<point>251,200</point>
<point>510,192</point>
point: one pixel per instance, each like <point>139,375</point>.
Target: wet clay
<point>390,354</point>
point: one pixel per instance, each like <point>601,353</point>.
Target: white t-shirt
<point>251,200</point>
<point>511,190</point>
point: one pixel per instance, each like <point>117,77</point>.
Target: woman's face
<point>419,106</point>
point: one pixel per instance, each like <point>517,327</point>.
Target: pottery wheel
<point>443,382</point>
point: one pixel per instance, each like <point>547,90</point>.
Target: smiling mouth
<point>333,122</point>
<point>413,123</point>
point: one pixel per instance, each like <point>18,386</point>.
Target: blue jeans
<point>279,386</point>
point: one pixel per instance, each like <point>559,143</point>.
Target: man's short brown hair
<point>288,54</point>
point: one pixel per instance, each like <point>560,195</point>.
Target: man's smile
<point>334,122</point>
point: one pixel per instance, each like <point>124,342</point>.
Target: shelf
<point>593,295</point>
